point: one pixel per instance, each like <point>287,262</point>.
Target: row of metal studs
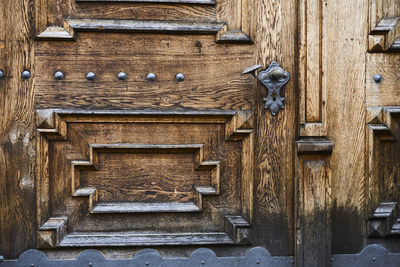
<point>151,77</point>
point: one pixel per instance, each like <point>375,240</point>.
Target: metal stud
<point>180,77</point>
<point>121,76</point>
<point>147,263</point>
<point>59,75</point>
<point>90,76</point>
<point>1,74</point>
<point>377,78</point>
<point>151,77</point>
<point>25,74</point>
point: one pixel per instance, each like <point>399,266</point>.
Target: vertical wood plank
<point>345,80</point>
<point>312,65</point>
<point>274,135</point>
<point>17,146</point>
<point>314,204</point>
<point>315,218</point>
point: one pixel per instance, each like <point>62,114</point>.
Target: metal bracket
<point>273,78</point>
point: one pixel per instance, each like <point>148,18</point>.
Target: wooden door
<point>129,124</point>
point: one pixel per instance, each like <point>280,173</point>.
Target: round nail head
<point>122,76</point>
<point>91,76</point>
<point>377,78</point>
<point>151,77</point>
<point>180,77</point>
<point>59,75</point>
<point>25,74</point>
<point>1,74</point>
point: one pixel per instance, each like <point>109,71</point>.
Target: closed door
<point>184,124</point>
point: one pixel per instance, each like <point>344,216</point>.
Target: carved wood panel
<point>229,20</point>
<point>159,178</point>
<point>313,51</point>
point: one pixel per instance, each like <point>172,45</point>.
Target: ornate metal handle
<point>273,78</point>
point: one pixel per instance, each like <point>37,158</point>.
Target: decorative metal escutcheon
<point>273,78</point>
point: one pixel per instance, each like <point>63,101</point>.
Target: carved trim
<point>381,122</point>
<point>51,233</point>
<point>385,36</point>
<point>144,26</point>
<point>381,222</point>
<point>384,28</point>
<point>53,28</point>
<point>53,126</point>
<point>312,82</point>
<point>92,163</point>
<point>314,146</point>
<point>232,36</point>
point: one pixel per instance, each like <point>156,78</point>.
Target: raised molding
<point>53,126</point>
<point>229,29</point>
<point>92,163</point>
<point>381,223</point>
<point>144,26</point>
<point>312,82</point>
<point>385,36</point>
<point>382,126</point>
<point>384,28</point>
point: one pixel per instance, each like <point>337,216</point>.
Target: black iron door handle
<point>273,78</point>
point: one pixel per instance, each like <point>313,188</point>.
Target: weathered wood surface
<point>384,25</point>
<point>160,173</point>
<point>314,202</point>
<point>385,93</point>
<point>274,135</point>
<point>209,82</point>
<point>17,144</point>
<point>346,120</point>
<point>331,86</point>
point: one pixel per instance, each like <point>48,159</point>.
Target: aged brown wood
<point>17,144</point>
<point>314,197</point>
<point>126,164</point>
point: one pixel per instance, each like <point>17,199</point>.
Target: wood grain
<point>274,135</point>
<point>17,145</point>
<point>314,203</point>
<point>312,57</point>
<point>379,9</point>
<point>345,80</point>
<point>152,11</point>
<point>208,82</point>
<point>315,217</point>
<point>385,93</point>
<point>144,168</point>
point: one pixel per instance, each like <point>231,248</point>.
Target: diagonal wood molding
<point>385,36</point>
<point>382,127</point>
